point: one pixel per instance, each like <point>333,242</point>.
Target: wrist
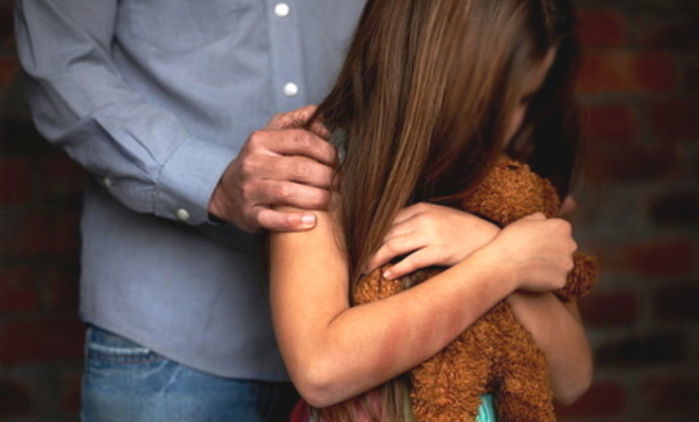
<point>503,271</point>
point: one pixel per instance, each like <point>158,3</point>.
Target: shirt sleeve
<point>79,101</point>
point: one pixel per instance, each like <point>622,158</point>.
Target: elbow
<point>317,384</point>
<point>576,387</point>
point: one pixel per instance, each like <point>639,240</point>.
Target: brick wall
<point>40,188</point>
<point>639,209</point>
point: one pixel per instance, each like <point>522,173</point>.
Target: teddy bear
<point>496,354</point>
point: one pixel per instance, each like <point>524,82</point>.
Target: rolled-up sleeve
<point>142,154</point>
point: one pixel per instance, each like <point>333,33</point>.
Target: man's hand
<point>282,164</point>
<point>431,235</point>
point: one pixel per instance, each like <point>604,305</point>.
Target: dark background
<point>638,209</point>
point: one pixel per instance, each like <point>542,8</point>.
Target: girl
<point>431,92</point>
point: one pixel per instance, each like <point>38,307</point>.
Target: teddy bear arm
<point>523,391</point>
<point>582,278</point>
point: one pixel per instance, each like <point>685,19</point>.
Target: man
<point>165,103</point>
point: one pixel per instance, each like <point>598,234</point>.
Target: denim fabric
<point>125,381</point>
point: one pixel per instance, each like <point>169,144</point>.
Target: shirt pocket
<point>178,26</point>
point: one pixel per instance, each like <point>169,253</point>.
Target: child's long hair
<point>423,103</point>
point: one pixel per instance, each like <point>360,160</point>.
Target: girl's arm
<point>334,351</point>
<point>558,331</point>
<point>429,234</point>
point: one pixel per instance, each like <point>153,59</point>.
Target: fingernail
<point>387,274</point>
<point>308,220</point>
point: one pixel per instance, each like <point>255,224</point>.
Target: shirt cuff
<point>188,179</point>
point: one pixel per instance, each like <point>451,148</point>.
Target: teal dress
<point>486,412</point>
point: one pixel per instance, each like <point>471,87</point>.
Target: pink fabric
<point>302,412</point>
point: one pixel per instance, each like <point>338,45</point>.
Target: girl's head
<point>432,91</point>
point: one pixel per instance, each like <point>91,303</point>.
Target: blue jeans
<point>126,382</point>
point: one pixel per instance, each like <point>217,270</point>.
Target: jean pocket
<point>177,26</point>
<point>103,347</point>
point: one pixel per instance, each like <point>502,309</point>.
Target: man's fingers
<point>318,128</point>
<point>279,221</point>
<point>395,247</point>
<point>301,169</point>
<point>301,142</point>
<point>414,261</point>
<point>281,192</point>
<point>292,119</point>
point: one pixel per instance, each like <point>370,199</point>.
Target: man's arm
<point>142,153</point>
<point>79,101</point>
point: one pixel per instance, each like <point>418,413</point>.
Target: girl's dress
<point>486,411</point>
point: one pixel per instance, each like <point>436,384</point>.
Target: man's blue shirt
<point>155,98</point>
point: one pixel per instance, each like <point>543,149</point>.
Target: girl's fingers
<point>395,247</point>
<point>419,259</point>
<point>409,212</point>
<point>568,205</point>
<point>400,229</point>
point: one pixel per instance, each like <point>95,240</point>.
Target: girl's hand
<point>567,206</point>
<point>538,251</point>
<point>431,235</point>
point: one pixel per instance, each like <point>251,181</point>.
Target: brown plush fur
<point>496,354</point>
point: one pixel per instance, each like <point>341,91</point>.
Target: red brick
<point>632,161</point>
<point>601,28</point>
<point>609,308</point>
<point>35,235</point>
<point>9,69</point>
<point>6,25</point>
<point>18,290</point>
<point>610,121</point>
<point>672,394</point>
<point>15,180</point>
<point>42,340</point>
<point>14,399</point>
<point>602,399</point>
<point>679,303</point>
<point>661,258</point>
<point>51,231</point>
<point>644,350</point>
<point>677,33</point>
<point>66,234</point>
<point>63,289</point>
<point>676,120</point>
<point>691,78</point>
<point>70,400</point>
<point>61,176</point>
<point>626,72</point>
<point>675,208</point>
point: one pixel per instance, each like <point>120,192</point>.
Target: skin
<point>333,351</point>
<point>280,164</point>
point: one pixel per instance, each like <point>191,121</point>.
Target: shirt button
<point>281,10</point>
<point>291,89</point>
<point>182,214</point>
